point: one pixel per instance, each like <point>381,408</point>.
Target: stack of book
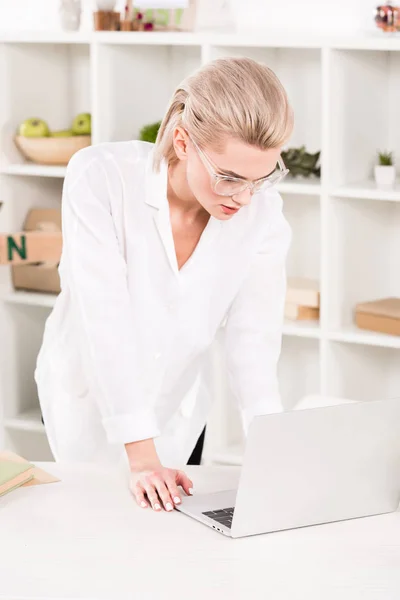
<point>302,299</point>
<point>382,316</point>
<point>14,474</point>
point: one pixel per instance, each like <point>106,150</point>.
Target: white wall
<point>311,15</point>
<point>319,15</point>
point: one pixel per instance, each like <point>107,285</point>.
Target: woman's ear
<point>180,140</point>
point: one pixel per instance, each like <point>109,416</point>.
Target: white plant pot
<point>385,176</point>
<point>106,5</point>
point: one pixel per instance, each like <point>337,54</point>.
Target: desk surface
<point>85,538</point>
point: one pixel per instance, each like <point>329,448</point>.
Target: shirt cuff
<point>124,429</point>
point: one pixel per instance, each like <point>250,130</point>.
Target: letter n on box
<point>34,254</point>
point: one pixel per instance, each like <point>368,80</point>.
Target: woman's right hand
<point>157,486</point>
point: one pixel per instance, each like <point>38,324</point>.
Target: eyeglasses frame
<point>217,177</point>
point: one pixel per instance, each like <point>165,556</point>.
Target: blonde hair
<point>227,97</point>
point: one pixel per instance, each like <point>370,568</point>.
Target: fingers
<point>152,495</point>
<point>164,494</point>
<point>139,496</point>
<point>159,489</point>
<point>183,480</point>
<point>173,489</point>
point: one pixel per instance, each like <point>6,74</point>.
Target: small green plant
<point>385,159</point>
<point>301,163</point>
<point>148,133</point>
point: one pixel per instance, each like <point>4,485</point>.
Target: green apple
<point>82,124</point>
<point>62,133</point>
<point>34,128</point>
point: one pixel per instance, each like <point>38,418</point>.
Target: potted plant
<point>385,172</point>
<point>148,133</point>
<point>302,163</point>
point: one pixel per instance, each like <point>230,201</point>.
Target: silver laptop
<point>309,467</point>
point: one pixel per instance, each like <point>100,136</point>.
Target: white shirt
<point>126,342</point>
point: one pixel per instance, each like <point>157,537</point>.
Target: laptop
<point>310,467</point>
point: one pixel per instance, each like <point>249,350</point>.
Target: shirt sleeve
<point>253,330</point>
<point>96,273</point>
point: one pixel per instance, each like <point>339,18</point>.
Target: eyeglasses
<point>225,185</point>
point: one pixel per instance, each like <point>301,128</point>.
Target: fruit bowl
<point>51,150</point>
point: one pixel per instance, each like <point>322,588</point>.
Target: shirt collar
<point>156,189</point>
<point>156,183</point>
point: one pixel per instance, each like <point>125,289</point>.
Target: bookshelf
<point>345,93</point>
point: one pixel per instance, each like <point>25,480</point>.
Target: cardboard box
<point>382,316</point>
<point>29,247</point>
<point>42,276</point>
<point>38,278</point>
<point>303,292</point>
<point>295,312</point>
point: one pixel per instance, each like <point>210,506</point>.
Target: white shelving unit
<point>345,92</point>
<point>30,420</point>
<point>33,170</point>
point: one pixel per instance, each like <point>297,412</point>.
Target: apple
<point>62,133</point>
<point>82,124</point>
<point>34,128</point>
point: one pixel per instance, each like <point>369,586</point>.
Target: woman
<point>162,244</point>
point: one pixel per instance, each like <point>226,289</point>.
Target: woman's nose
<point>243,198</point>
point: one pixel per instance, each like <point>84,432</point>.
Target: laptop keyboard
<point>223,516</point>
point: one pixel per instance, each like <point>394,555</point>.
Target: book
<point>384,307</point>
<point>381,316</point>
<point>303,292</point>
<point>13,475</point>
<point>295,312</point>
<point>39,476</point>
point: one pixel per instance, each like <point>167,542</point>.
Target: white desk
<point>86,538</point>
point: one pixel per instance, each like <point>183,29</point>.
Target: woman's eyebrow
<point>233,174</point>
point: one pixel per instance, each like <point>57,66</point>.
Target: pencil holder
<point>126,25</point>
<point>106,20</point>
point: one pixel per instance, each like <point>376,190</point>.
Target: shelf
<point>30,298</point>
<point>155,38</point>
<point>373,41</point>
<point>33,170</point>
<point>29,420</point>
<point>353,335</point>
<point>304,39</point>
<point>44,37</point>
<point>269,38</point>
<point>307,329</point>
<point>367,190</point>
<point>299,188</point>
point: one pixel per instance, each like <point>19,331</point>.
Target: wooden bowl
<point>51,150</point>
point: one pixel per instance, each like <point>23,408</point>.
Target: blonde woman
<point>162,244</point>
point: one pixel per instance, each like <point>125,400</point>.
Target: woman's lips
<point>228,210</point>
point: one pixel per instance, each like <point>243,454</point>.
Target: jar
<point>70,14</point>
